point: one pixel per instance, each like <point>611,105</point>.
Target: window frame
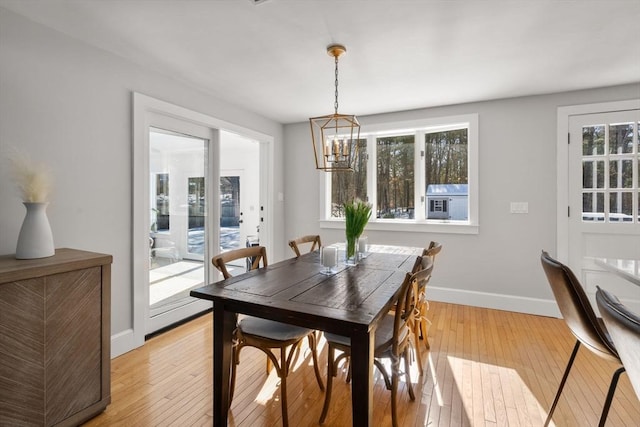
<point>420,223</point>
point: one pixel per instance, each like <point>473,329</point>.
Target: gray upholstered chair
<point>583,324</point>
<point>624,328</point>
<point>266,335</point>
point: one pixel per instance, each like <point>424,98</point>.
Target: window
<point>345,186</point>
<point>395,177</point>
<point>447,173</point>
<point>421,173</point>
<point>608,177</point>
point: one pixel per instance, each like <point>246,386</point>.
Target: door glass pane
<point>621,138</point>
<point>178,233</point>
<point>599,174</point>
<point>229,213</point>
<point>593,206</point>
<point>395,177</point>
<point>160,219</point>
<point>196,198</point>
<point>621,174</point>
<point>593,140</point>
<point>588,174</point>
<point>621,206</point>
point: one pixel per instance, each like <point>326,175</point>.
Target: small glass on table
<point>363,247</point>
<point>328,259</point>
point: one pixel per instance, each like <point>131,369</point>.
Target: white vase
<point>35,239</point>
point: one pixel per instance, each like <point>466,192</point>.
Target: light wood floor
<point>485,368</point>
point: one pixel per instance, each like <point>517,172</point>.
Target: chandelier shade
<point>335,141</point>
<point>335,136</point>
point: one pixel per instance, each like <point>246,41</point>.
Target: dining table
<point>349,301</point>
<point>628,269</point>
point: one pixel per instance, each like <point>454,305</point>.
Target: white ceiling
<point>271,58</point>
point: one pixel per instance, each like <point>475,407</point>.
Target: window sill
<point>432,226</point>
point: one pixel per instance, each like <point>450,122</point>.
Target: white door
<point>240,192</point>
<point>604,218</point>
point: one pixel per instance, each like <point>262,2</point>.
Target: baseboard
<point>518,304</point>
<point>122,343</point>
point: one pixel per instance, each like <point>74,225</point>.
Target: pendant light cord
<point>335,105</point>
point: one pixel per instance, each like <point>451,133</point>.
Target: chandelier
<point>335,136</point>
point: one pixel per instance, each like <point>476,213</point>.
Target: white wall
<point>499,267</point>
<point>70,105</point>
<point>242,155</point>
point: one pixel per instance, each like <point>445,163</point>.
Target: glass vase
<point>351,251</point>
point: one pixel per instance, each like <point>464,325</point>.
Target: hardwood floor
<point>485,368</point>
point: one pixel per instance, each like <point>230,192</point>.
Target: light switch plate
<point>519,207</point>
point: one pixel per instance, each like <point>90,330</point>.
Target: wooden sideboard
<point>55,322</point>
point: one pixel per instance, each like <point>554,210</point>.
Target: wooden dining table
<point>350,302</point>
<point>628,269</point>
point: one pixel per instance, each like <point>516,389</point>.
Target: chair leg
<point>284,371</point>
<point>331,372</point>
<point>561,386</point>
<point>416,339</point>
<point>424,324</point>
<point>235,360</point>
<point>395,368</point>
<point>424,328</point>
<point>612,390</point>
<point>407,373</point>
<point>313,344</point>
<point>388,383</point>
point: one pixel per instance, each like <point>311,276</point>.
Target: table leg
<point>224,323</point>
<point>362,350</point>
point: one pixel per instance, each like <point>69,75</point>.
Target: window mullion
<point>372,174</point>
<point>420,189</point>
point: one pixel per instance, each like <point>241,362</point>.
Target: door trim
<point>143,108</point>
<point>562,163</point>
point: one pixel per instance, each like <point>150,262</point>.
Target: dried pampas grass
<point>33,180</point>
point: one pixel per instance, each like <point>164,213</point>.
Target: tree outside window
<point>446,172</point>
<point>395,177</point>
<point>347,186</point>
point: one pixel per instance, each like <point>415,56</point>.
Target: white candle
<point>362,244</point>
<point>329,256</point>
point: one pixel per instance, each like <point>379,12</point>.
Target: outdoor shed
<point>448,201</point>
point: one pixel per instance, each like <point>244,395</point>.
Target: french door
<point>176,208</point>
<point>179,234</point>
<point>604,197</point>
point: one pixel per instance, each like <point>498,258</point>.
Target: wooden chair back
<point>256,253</point>
<point>313,239</point>
<point>405,313</point>
<point>433,250</point>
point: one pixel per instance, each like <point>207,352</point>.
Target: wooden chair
<point>266,335</point>
<point>313,239</point>
<point>422,322</point>
<point>393,340</point>
<point>624,328</point>
<point>584,325</point>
